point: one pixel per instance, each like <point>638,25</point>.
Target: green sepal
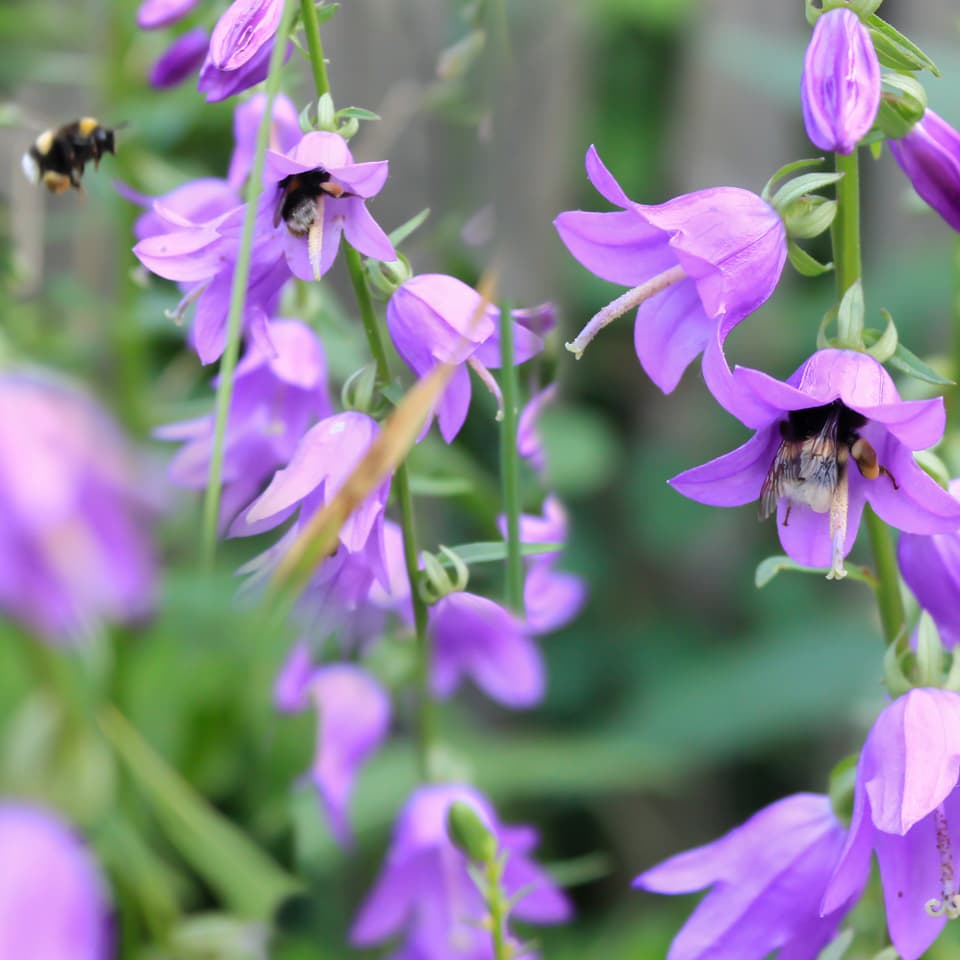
<point>823,341</point>
<point>405,229</point>
<point>887,953</point>
<point>906,361</point>
<point>840,787</point>
<point>933,466</point>
<point>837,948</point>
<point>850,315</point>
<point>356,113</point>
<point>894,672</point>
<point>805,264</point>
<point>798,186</point>
<point>862,8</point>
<point>886,343</point>
<point>769,568</point>
<point>809,216</point>
<point>493,551</point>
<point>899,112</point>
<point>894,50</point>
<point>325,12</point>
<point>469,833</point>
<point>929,653</point>
<point>786,170</point>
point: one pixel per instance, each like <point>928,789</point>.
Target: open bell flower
<point>54,903</point>
<point>834,436</point>
<point>906,808</point>
<point>930,567</point>
<point>696,265</point>
<point>426,894</point>
<point>434,318</point>
<point>766,880</point>
<point>930,157</point>
<point>840,84</point>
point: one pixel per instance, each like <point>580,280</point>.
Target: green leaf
<point>492,551</point>
<point>769,568</point>
<point>885,345</point>
<point>405,229</point>
<point>424,486</point>
<point>896,51</point>
<point>906,361</point>
<point>356,113</point>
<point>806,183</point>
<point>249,882</point>
<point>804,263</point>
<point>325,11</point>
<point>786,170</point>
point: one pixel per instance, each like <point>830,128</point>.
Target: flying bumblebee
<point>816,446</point>
<point>58,157</point>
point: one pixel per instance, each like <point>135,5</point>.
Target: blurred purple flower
<point>284,134</point>
<point>529,443</point>
<point>906,808</point>
<point>840,409</point>
<point>73,548</point>
<point>930,566</point>
<point>930,157</point>
<point>319,195</point>
<point>54,904</point>
<point>767,878</point>
<point>161,13</point>
<point>697,265</point>
<point>473,636</point>
<point>426,894</point>
<point>276,397</point>
<point>181,59</point>
<point>353,718</point>
<point>434,318</point>
<point>840,85</point>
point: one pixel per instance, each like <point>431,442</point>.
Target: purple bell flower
<point>54,903</point>
<point>473,636</point>
<point>840,85</point>
<point>73,547</point>
<point>434,318</point>
<point>831,438</point>
<point>930,157</point>
<point>153,14</point>
<point>425,891</point>
<point>319,195</point>
<point>767,878</point>
<point>353,718</point>
<point>276,397</point>
<point>181,59</point>
<point>906,808</point>
<point>529,442</point>
<point>697,265</point>
<point>284,134</point>
<point>930,567</point>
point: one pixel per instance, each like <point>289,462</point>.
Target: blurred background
<point>683,698</point>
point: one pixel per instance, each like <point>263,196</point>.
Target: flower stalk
<point>238,293</point>
<point>318,65</point>
<point>509,462</point>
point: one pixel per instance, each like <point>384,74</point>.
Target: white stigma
<point>623,303</point>
<point>838,527</point>
<point>948,905</point>
<point>315,238</point>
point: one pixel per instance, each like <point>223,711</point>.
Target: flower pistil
<point>949,903</point>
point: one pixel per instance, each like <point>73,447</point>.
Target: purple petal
<point>603,180</point>
<point>284,133</point>
<point>453,405</point>
<point>364,233</point>
<point>551,598</point>
<point>730,393</point>
<point>243,31</point>
<point>152,14</point>
<point>543,902</point>
<point>290,693</point>
<point>186,256</point>
<point>180,60</point>
<point>806,539</point>
<point>364,179</point>
<point>388,905</point>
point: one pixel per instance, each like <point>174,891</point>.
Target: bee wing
<point>784,469</point>
<point>818,459</point>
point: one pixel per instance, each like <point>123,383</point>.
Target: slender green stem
<point>318,65</point>
<point>238,293</point>
<point>496,904</point>
<point>374,331</point>
<point>510,461</point>
<point>847,263</point>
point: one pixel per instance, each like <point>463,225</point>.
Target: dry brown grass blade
<point>318,539</point>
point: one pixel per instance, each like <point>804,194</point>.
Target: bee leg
<point>786,516</point>
<point>893,479</point>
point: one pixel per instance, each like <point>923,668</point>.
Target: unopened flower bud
<point>436,582</point>
<point>359,389</point>
<point>468,833</point>
<point>386,277</point>
<point>325,114</point>
<point>930,657</point>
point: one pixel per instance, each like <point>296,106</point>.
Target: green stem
<point>847,263</point>
<point>496,904</point>
<point>318,65</point>
<point>238,293</point>
<point>425,719</point>
<point>510,461</point>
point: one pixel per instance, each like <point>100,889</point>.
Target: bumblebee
<point>58,157</point>
<point>809,467</point>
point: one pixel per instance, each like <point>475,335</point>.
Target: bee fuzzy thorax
<point>59,156</point>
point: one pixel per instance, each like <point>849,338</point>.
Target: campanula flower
<point>696,265</point>
<point>54,903</point>
<point>475,637</point>
<point>277,396</point>
<point>426,894</point>
<point>930,157</point>
<point>181,59</point>
<point>840,85</point>
<point>353,717</point>
<point>529,441</point>
<point>906,808</point>
<point>434,318</point>
<point>767,878</point>
<point>73,548</point>
<point>284,134</point>
<point>833,437</point>
<point>930,567</point>
<point>153,14</point>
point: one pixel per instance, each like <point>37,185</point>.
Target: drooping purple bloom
<point>153,14</point>
<point>831,438</point>
<point>930,566</point>
<point>284,133</point>
<point>434,318</point>
<point>54,903</point>
<point>73,547</point>
<point>840,85</point>
<point>276,397</point>
<point>353,717</point>
<point>180,60</point>
<point>426,894</point>
<point>529,443</point>
<point>697,265</point>
<point>930,157</point>
<point>475,637</point>
<point>767,878</point>
<point>906,808</point>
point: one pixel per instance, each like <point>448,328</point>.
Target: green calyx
<point>469,834</point>
<point>436,580</point>
<point>902,105</point>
